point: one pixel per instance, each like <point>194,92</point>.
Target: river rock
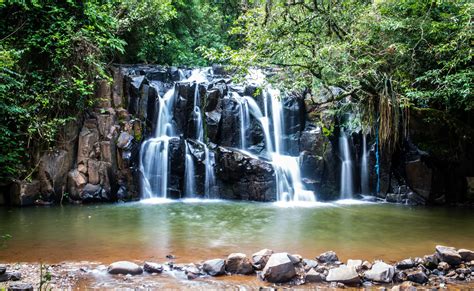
<point>20,287</point>
<point>309,264</point>
<point>124,268</point>
<point>417,276</point>
<point>448,255</point>
<point>356,264</point>
<point>314,277</point>
<point>260,258</point>
<point>214,267</point>
<point>431,261</point>
<point>443,266</point>
<point>279,269</point>
<point>14,276</point>
<point>380,272</point>
<point>327,257</point>
<point>238,263</point>
<point>405,264</point>
<point>466,255</point>
<point>343,274</point>
<point>151,268</point>
<point>3,269</point>
<point>4,277</point>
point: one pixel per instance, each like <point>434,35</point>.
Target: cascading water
<point>347,189</point>
<point>287,171</point>
<point>189,186</point>
<point>154,151</point>
<point>364,167</point>
<point>244,117</point>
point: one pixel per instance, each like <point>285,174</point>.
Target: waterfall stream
<point>347,188</point>
<point>364,167</point>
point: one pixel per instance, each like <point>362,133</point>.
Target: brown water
<point>197,231</point>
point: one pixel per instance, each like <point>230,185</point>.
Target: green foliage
<point>388,55</point>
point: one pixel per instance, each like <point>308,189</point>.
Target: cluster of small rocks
<point>446,265</point>
<point>25,277</point>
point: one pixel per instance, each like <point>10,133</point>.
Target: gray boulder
<point>279,269</point>
<point>466,255</point>
<point>260,258</point>
<point>417,276</point>
<point>448,255</point>
<point>327,257</point>
<point>405,264</point>
<point>314,277</point>
<point>124,268</point>
<point>380,272</point>
<point>238,263</point>
<point>20,287</point>
<point>151,268</point>
<point>343,274</point>
<point>309,264</point>
<point>214,267</point>
<point>356,264</point>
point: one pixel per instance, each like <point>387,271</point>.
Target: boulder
<point>327,257</point>
<point>419,177</point>
<point>443,266</point>
<point>238,263</point>
<point>380,272</point>
<point>24,193</point>
<point>14,276</point>
<point>52,171</point>
<point>309,264</point>
<point>448,255</point>
<point>151,268</point>
<point>260,258</point>
<point>431,261</point>
<point>343,274</point>
<point>3,269</point>
<point>405,264</point>
<point>417,276</point>
<point>279,268</point>
<point>214,267</point>
<point>314,277</point>
<point>124,268</point>
<point>356,264</point>
<point>466,255</point>
<point>124,140</point>
<point>20,287</point>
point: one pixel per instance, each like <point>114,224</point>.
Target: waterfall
<point>189,176</point>
<point>287,170</point>
<point>210,181</point>
<point>346,168</point>
<point>364,167</point>
<point>154,151</point>
<point>244,117</point>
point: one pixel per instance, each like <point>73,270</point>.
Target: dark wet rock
<point>417,276</point>
<point>380,272</point>
<point>238,263</point>
<point>279,269</point>
<point>243,176</point>
<point>466,255</point>
<point>151,267</point>
<point>124,268</point>
<point>20,287</point>
<point>3,269</point>
<point>400,277</point>
<point>343,274</point>
<point>192,272</point>
<point>260,258</point>
<point>448,255</point>
<point>314,277</point>
<point>214,267</point>
<point>4,277</point>
<point>327,257</point>
<point>431,261</point>
<point>23,193</point>
<point>405,264</point>
<point>322,269</point>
